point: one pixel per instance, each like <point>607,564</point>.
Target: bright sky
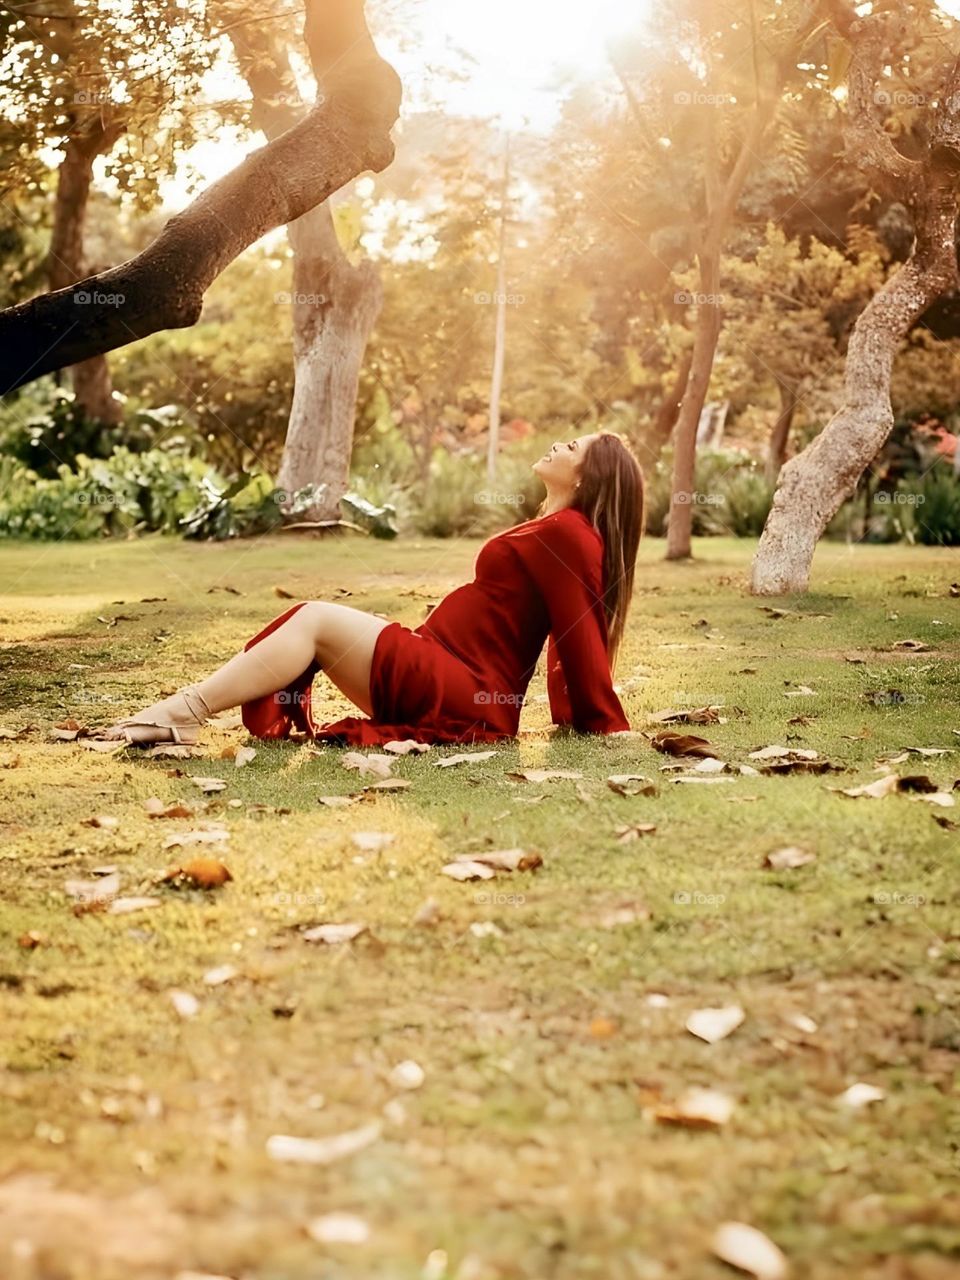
<point>515,60</point>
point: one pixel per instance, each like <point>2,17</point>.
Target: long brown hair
<point>610,494</point>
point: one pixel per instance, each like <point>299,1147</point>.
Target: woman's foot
<point>176,719</point>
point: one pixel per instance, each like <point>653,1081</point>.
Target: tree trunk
<point>683,497</point>
<point>65,261</point>
<point>345,133</point>
<point>780,437</point>
<point>500,327</point>
<point>335,306</point>
<point>815,483</point>
<point>669,410</point>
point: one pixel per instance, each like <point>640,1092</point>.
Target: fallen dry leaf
<point>698,1109</point>
<point>888,785</point>
<point>86,891</point>
<point>102,820</point>
<point>338,802</point>
<point>631,784</point>
<point>634,831</point>
<point>104,745</point>
<point>542,775</point>
<point>208,785</point>
<point>860,1095</point>
<point>187,1005</point>
<point>199,873</point>
<point>66,730</point>
<point>218,976</point>
<point>155,808</point>
<point>427,914</point>
<point>375,763</point>
<point>283,1147</point>
<point>777,752</point>
<point>333,934</point>
<point>389,784</point>
<point>749,1250</point>
<point>699,715</point>
<point>715,1024</point>
<point>243,756</point>
<point>789,858</point>
<point>911,646</point>
<point>505,859</point>
<point>801,691</point>
<point>406,746</point>
<point>206,835</point>
<point>469,757</point>
<point>682,744</point>
<point>467,870</point>
<point>283,594</point>
<point>29,940</point>
<point>407,1075</point>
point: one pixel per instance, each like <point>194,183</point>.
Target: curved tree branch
<point>346,133</point>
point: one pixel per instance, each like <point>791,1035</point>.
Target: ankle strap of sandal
<point>192,698</point>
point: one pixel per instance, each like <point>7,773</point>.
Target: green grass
<point>531,1150</point>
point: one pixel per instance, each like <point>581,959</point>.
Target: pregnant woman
<point>565,577</point>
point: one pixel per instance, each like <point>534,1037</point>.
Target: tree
<point>334,302</point>
<point>814,484</point>
<point>346,132</point>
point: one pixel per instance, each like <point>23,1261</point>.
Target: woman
<point>565,576</point>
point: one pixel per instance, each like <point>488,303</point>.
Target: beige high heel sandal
<point>178,734</point>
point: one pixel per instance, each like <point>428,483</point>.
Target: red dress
<point>462,674</point>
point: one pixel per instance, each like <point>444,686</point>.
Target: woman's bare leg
<point>340,638</point>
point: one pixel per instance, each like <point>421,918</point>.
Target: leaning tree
<point>345,133</point>
<point>923,174</point>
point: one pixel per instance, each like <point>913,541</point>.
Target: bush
<point>933,507</point>
<point>732,498</point>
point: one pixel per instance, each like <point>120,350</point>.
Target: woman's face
<point>559,466</point>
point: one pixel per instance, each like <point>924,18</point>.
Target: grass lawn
<point>546,1008</point>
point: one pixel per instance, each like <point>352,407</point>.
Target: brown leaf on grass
<point>156,808</point>
<point>946,823</point>
<point>283,594</point>
<point>789,858</point>
<point>30,940</point>
<point>375,763</point>
<point>542,775</point>
<point>102,820</point>
<point>634,831</point>
<point>283,1147</point>
<point>715,1024</point>
<point>774,612</point>
<point>338,802</point>
<point>333,934</point>
<point>777,752</point>
<point>749,1250</point>
<point>198,873</point>
<point>800,766</point>
<point>427,914</point>
<point>389,784</point>
<point>208,785</point>
<point>682,744</point>
<point>602,1028</point>
<point>890,785</point>
<point>631,784</point>
<point>406,747</point>
<point>67,730</point>
<point>481,866</point>
<point>467,869</point>
<point>697,1109</point>
<point>470,757</point>
<point>804,721</point>
<point>89,891</point>
<point>700,715</point>
<point>910,646</point>
<point>171,751</point>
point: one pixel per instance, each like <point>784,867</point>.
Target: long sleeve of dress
<point>564,558</point>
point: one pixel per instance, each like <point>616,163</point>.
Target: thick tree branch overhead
<point>346,133</point>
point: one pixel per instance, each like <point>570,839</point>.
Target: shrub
<point>933,507</point>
